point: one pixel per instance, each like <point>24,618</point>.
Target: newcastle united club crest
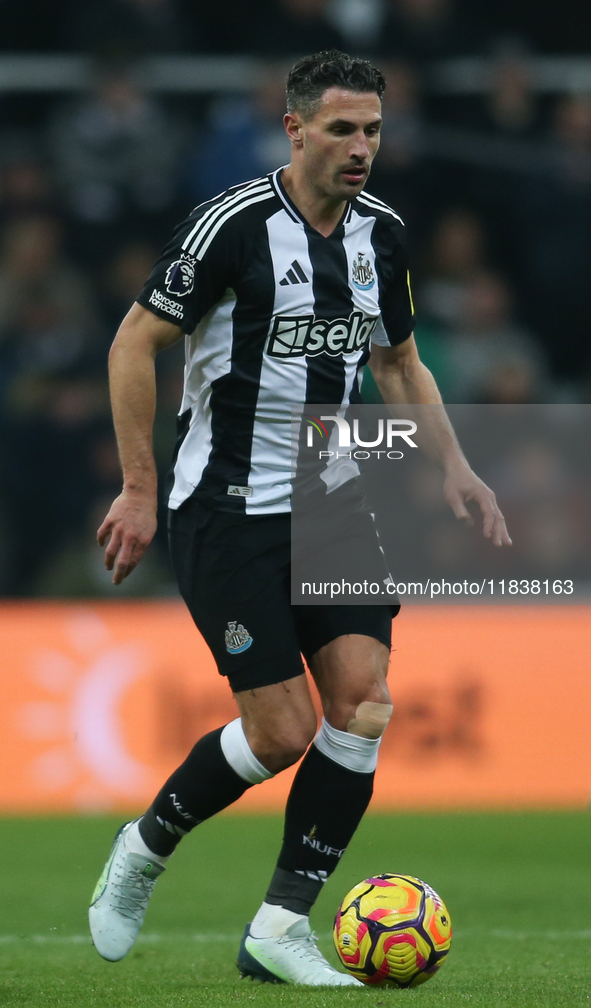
<point>237,638</point>
<point>363,276</point>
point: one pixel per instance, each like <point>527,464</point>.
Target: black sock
<point>203,785</point>
<point>293,890</point>
<point>324,808</point>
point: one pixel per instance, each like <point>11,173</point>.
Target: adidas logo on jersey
<point>307,336</point>
<point>295,275</point>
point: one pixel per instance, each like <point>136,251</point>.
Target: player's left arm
<point>402,378</point>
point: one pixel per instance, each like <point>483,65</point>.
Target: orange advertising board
<point>102,701</point>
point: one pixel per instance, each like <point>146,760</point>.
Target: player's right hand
<point>128,529</point>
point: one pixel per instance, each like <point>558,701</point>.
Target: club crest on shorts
<point>363,273</point>
<point>180,277</point>
<point>237,638</point>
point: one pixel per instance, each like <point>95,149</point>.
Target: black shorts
<point>233,572</point>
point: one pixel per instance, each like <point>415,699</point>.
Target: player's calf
<point>330,793</point>
<point>217,771</point>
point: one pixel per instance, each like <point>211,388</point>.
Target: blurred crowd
<point>494,185</point>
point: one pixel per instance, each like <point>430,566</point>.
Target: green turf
<point>517,885</point>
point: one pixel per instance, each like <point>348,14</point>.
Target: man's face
<point>338,144</point>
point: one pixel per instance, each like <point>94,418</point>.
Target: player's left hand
<point>461,485</point>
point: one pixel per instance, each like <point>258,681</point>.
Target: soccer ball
<point>392,930</point>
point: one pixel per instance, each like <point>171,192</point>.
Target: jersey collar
<point>291,208</point>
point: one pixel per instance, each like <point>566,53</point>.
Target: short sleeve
<point>183,287</point>
<point>396,304</point>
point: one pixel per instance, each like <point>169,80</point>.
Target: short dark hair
<point>313,75</point>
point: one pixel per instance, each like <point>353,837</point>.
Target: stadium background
<point>118,116</point>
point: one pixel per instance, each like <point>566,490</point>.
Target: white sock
<point>273,921</point>
<point>350,751</point>
<point>240,756</point>
<point>135,843</point>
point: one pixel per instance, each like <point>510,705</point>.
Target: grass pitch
<point>517,886</point>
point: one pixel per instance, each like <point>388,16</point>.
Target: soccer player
<point>282,287</point>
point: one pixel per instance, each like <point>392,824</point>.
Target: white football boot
<point>290,958</point>
<point>120,899</point>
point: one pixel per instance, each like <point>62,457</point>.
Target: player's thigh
<point>348,671</point>
<point>347,649</point>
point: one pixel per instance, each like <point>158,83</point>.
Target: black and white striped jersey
<point>275,315</point>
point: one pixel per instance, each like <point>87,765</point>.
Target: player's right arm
<point>130,524</point>
<point>194,270</point>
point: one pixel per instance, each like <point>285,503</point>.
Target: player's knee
<point>370,719</point>
<point>291,744</point>
<point>279,747</point>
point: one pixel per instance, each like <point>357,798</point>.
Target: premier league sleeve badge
<point>180,277</point>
